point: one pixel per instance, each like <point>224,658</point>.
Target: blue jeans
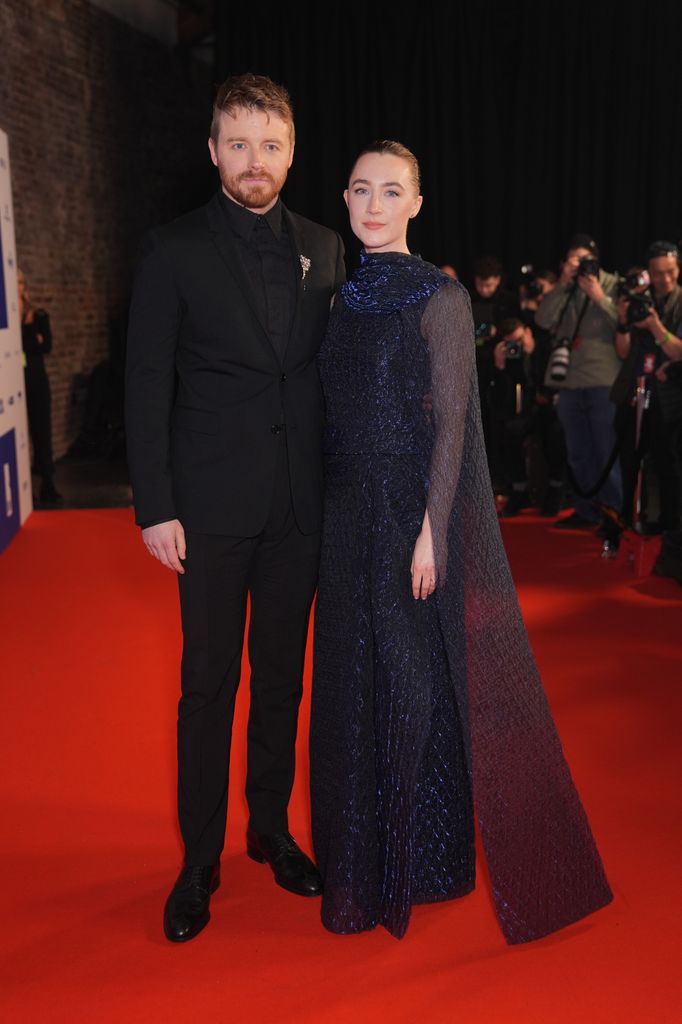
<point>587,416</point>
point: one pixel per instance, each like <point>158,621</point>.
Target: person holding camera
<point>546,475</point>
<point>491,302</point>
<point>510,403</point>
<point>520,411</point>
<point>649,341</point>
<point>580,312</point>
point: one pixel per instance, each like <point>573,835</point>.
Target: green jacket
<point>594,362</point>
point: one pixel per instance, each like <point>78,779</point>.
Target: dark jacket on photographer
<point>645,357</point>
<point>511,389</point>
<point>594,361</point>
<point>655,441</point>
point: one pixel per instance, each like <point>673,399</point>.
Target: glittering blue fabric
<point>422,711</point>
<point>386,282</point>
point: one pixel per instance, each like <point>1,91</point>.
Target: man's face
<point>253,154</point>
<point>487,286</point>
<point>664,272</point>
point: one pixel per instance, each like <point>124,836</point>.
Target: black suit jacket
<point>207,396</point>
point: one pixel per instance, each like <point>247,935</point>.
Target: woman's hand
<point>423,568</point>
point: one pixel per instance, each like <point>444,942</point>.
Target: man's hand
<point>166,541</point>
<point>528,341</point>
<point>500,355</point>
<point>652,323</point>
<point>622,306</point>
<point>590,285</point>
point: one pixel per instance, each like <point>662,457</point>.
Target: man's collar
<point>243,221</point>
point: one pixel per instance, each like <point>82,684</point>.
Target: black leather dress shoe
<point>292,869</point>
<point>186,911</point>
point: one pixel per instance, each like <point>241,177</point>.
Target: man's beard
<point>251,195</point>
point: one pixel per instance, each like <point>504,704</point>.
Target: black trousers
<point>38,409</point>
<point>277,571</point>
<point>657,446</point>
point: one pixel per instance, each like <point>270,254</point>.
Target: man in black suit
<point>223,422</point>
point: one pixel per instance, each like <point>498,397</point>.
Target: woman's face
<point>381,199</point>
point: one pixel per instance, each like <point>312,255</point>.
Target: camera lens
<point>559,361</point>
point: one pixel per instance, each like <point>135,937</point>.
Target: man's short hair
<point>582,240</point>
<point>548,275</point>
<point>508,326</point>
<point>488,266</point>
<point>662,248</point>
<point>251,92</point>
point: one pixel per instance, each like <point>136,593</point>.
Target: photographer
<point>510,406</point>
<point>490,303</point>
<point>649,341</point>
<point>580,312</point>
<point>520,413</point>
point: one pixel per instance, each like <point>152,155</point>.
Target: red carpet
<point>90,651</point>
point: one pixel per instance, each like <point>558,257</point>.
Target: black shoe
<point>551,503</point>
<point>186,910</point>
<point>575,522</point>
<point>292,869</point>
<point>514,503</point>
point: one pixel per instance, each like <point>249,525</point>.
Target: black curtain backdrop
<point>530,120</point>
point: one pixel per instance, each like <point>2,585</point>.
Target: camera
<point>588,265</point>
<point>530,281</point>
<point>513,349</point>
<point>631,282</point>
<point>639,308</point>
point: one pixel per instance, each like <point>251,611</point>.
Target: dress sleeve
<point>448,329</point>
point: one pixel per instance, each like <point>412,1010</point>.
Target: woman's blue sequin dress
<point>424,710</point>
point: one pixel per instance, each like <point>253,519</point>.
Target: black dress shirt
<point>265,249</point>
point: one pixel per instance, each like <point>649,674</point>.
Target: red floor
<point>90,647</point>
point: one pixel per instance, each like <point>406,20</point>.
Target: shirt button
<point>283,378</point>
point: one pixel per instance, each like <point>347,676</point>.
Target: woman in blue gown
<point>427,707</point>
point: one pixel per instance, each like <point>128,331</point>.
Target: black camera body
<point>513,349</point>
<point>530,282</point>
<point>628,286</point>
<point>640,307</point>
<point>588,265</point>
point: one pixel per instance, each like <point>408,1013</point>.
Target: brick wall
<point>107,132</point>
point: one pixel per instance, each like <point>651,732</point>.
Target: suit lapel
<point>231,257</point>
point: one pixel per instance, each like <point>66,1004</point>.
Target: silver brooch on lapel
<point>305,265</point>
